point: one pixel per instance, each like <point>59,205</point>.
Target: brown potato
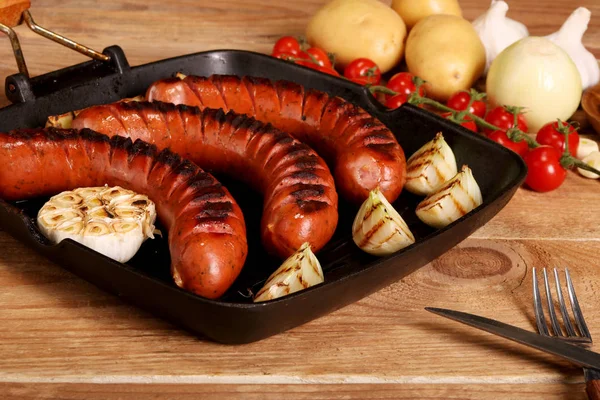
<point>353,29</point>
<point>445,51</point>
<point>412,11</point>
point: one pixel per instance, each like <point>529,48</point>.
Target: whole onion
<point>536,74</point>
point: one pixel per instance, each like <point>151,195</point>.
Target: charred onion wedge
<point>300,271</point>
<point>378,228</point>
<point>430,166</point>
<point>452,200</point>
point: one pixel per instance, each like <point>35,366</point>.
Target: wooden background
<point>62,337</point>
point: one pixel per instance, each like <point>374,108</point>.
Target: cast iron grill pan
<point>350,274</point>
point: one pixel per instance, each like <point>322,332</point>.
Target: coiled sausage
<point>206,229</point>
<point>300,200</point>
<point>361,151</point>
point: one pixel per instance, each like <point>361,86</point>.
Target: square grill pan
<point>350,274</point>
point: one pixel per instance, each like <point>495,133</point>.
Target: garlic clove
<point>451,201</point>
<point>593,160</point>
<point>112,221</point>
<point>496,31</point>
<point>433,164</point>
<point>378,229</point>
<point>586,146</point>
<point>569,38</point>
<point>300,271</point>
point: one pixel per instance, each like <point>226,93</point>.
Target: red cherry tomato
<point>326,70</point>
<point>283,55</point>
<point>302,58</point>
<point>544,171</point>
<point>551,136</point>
<point>363,71</point>
<point>402,83</point>
<point>504,120</point>
<point>318,67</point>
<point>469,123</point>
<point>521,148</point>
<point>287,44</point>
<point>320,56</point>
<point>396,101</point>
<point>460,100</point>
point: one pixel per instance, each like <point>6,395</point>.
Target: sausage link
<point>206,229</point>
<point>300,200</point>
<point>362,152</point>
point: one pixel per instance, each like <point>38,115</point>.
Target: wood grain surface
<point>61,337</point>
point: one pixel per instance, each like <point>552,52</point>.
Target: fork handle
<point>592,386</point>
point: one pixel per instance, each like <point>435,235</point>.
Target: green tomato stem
<point>514,133</point>
<point>580,164</point>
<point>517,136</point>
<point>382,89</point>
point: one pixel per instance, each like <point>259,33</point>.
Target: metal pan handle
<point>20,87</point>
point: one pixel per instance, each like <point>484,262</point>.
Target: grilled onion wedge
<point>430,166</point>
<point>378,228</point>
<point>110,220</point>
<point>451,200</point>
<point>300,271</point>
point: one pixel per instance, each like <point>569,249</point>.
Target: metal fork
<point>581,337</point>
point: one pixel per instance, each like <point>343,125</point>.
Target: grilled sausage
<point>206,229</point>
<point>300,201</point>
<point>361,151</point>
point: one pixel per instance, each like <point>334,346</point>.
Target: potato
<point>412,11</point>
<point>353,29</point>
<point>445,51</point>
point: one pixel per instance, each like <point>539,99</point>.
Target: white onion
<point>536,74</point>
<point>452,200</point>
<point>430,166</point>
<point>299,271</point>
<point>378,228</point>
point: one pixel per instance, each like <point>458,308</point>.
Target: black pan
<point>350,274</point>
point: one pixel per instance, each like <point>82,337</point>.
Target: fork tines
<point>583,336</point>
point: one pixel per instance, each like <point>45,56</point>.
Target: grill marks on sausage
<point>207,193</point>
<point>382,142</point>
<point>287,160</point>
<point>212,219</point>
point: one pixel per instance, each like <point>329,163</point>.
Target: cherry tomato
<point>469,123</point>
<point>287,44</point>
<point>545,173</point>
<point>318,67</point>
<point>460,100</point>
<point>283,55</point>
<point>320,55</point>
<point>551,136</point>
<point>325,70</point>
<point>396,101</point>
<point>504,120</point>
<point>363,71</point>
<point>402,83</point>
<point>521,148</point>
<point>302,58</point>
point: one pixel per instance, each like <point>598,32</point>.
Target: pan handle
<point>19,88</point>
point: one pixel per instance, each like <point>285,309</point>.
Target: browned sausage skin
<point>300,201</point>
<point>206,230</point>
<point>362,152</point>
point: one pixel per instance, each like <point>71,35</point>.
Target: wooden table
<point>61,336</point>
